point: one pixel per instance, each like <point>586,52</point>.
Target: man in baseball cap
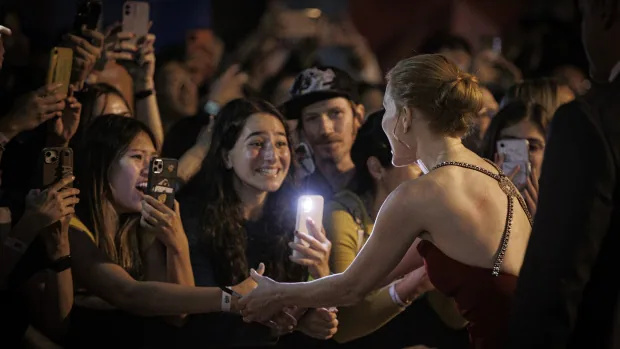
<point>325,101</point>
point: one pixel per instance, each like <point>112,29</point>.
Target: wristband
<point>15,244</point>
<point>212,108</point>
<point>143,94</point>
<point>396,299</point>
<point>226,302</point>
<point>61,264</point>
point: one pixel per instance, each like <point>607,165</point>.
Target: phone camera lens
<point>48,154</point>
<point>54,159</point>
<point>127,13</point>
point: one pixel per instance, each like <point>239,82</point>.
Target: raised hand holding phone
<point>311,248</point>
<point>515,160</point>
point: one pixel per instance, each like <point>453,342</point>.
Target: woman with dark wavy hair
<point>239,210</point>
<point>130,255</point>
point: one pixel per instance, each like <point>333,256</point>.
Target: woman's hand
<point>413,285</point>
<point>32,110</point>
<point>315,255</point>
<point>86,52</point>
<point>263,303</point>
<point>164,223</point>
<point>319,323</point>
<point>499,161</point>
<point>228,86</point>
<point>65,127</point>
<point>53,204</point>
<point>530,192</point>
<point>142,68</point>
<point>116,46</point>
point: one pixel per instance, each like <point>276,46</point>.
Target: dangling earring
<point>396,137</point>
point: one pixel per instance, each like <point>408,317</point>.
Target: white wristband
<point>226,302</point>
<point>395,298</point>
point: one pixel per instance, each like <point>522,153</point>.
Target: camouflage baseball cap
<point>316,84</point>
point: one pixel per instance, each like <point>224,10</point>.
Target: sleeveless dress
<point>483,295</point>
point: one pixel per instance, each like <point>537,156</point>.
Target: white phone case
<point>136,18</point>
<point>308,206</point>
<point>516,153</point>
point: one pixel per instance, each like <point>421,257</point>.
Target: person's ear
<point>359,111</point>
<point>406,119</point>
<point>227,160</point>
<point>374,168</point>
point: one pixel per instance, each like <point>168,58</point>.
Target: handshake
<point>318,323</point>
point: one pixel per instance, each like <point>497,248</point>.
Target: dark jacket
<point>568,291</point>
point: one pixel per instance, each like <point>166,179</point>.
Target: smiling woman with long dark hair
<point>239,211</point>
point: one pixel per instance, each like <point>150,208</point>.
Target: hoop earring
<point>396,137</point>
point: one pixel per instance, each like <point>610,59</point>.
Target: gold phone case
<point>59,71</point>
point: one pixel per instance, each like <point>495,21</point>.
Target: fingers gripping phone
<point>162,179</point>
<point>516,153</point>
<point>57,163</point>
<point>308,206</point>
<point>136,18</point>
<point>59,70</point>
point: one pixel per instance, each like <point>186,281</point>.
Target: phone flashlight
<point>307,205</point>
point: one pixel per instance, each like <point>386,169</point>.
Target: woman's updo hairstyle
<point>449,97</point>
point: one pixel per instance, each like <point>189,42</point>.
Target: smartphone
<point>59,70</point>
<point>57,164</point>
<point>516,153</point>
<point>88,14</point>
<point>308,206</point>
<point>136,17</point>
<point>162,179</point>
<point>299,24</point>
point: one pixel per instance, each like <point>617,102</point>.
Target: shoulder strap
<point>351,204</point>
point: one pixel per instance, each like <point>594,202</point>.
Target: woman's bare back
<point>467,213</point>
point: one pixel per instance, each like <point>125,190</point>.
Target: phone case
<point>520,178</point>
<point>514,150</point>
<point>162,178</point>
<point>57,163</point>
<point>136,18</point>
<point>59,70</point>
<point>308,206</point>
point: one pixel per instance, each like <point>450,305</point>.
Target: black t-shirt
<point>13,308</point>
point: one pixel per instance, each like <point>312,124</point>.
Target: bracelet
<point>143,94</point>
<point>15,244</point>
<point>212,108</point>
<point>61,264</point>
<point>396,299</point>
<point>226,302</point>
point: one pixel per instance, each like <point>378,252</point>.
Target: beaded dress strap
<point>511,191</point>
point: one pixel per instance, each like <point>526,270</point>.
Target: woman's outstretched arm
<point>393,234</point>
